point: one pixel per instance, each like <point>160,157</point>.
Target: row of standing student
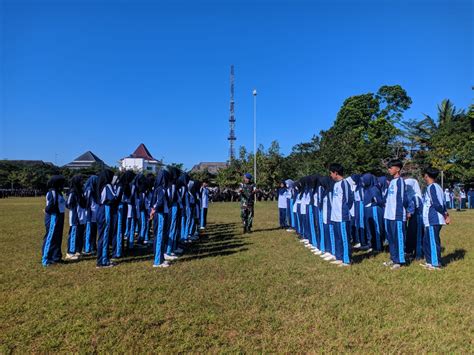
<point>333,214</point>
<point>110,215</point>
<point>458,198</point>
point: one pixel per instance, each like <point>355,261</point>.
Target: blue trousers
<point>322,240</point>
<point>172,229</point>
<point>414,238</point>
<point>374,227</point>
<point>360,223</point>
<point>105,229</point>
<point>131,224</point>
<point>292,214</point>
<point>341,237</point>
<point>117,241</point>
<point>90,238</point>
<point>75,240</point>
<point>432,245</point>
<point>396,231</point>
<point>203,217</point>
<point>329,239</point>
<point>288,212</point>
<point>313,226</point>
<point>144,226</point>
<point>282,217</point>
<point>159,230</point>
<point>51,250</point>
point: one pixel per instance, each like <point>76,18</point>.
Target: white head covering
<point>415,188</point>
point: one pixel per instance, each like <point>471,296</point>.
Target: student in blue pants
<point>159,214</point>
<point>53,221</point>
<point>327,230</point>
<point>414,238</point>
<point>359,219</point>
<point>122,191</point>
<point>141,207</point>
<point>470,198</point>
<point>76,203</point>
<point>132,214</point>
<point>289,205</point>
<point>105,217</point>
<point>312,214</point>
<point>173,219</point>
<point>435,215</point>
<point>282,205</point>
<point>373,212</point>
<point>204,205</point>
<point>190,225</point>
<point>395,216</point>
<point>90,234</point>
<point>317,204</point>
<point>342,201</point>
<point>183,181</point>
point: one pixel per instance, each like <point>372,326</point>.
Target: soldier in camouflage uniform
<point>247,199</point>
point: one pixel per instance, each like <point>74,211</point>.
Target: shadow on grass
<point>458,254</point>
<point>217,240</point>
<point>267,229</point>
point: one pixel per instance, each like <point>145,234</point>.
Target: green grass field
<point>262,292</point>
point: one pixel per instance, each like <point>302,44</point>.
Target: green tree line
<point>369,130</point>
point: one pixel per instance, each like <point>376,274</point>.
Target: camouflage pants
<point>246,213</point>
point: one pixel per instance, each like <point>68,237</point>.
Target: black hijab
<point>125,182</point>
<point>56,182</point>
<point>105,178</point>
<point>76,187</point>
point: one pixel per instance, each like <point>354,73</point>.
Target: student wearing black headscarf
<point>53,221</point>
<point>183,200</point>
<point>90,193</point>
<point>122,192</point>
<point>173,219</point>
<point>76,203</point>
<point>107,200</point>
<point>328,228</point>
<point>141,189</point>
<point>159,214</point>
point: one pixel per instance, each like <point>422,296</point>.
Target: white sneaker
<point>170,257</point>
<point>302,240</point>
<point>325,255</point>
<point>289,230</point>
<point>317,252</point>
<point>369,250</point>
<point>165,264</point>
<point>336,262</point>
<point>309,246</point>
<point>395,266</point>
<point>357,246</point>
<point>330,258</point>
<point>201,228</point>
<point>426,265</point>
<point>388,263</point>
<point>71,256</point>
<point>344,265</point>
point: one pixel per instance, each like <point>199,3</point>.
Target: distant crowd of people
<point>335,214</point>
<point>458,198</point>
<point>5,193</point>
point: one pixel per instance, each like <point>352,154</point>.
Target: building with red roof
<point>140,160</point>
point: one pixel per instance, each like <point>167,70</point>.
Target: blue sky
<point>108,75</point>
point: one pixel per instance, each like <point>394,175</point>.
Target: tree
<point>364,133</point>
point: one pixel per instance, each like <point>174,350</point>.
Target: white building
<point>140,160</point>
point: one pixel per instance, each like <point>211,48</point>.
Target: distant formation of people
<point>332,215</point>
<point>111,214</point>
